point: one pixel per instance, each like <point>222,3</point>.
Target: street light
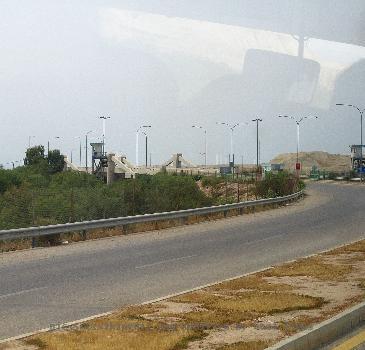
<point>257,121</point>
<point>137,139</point>
<point>86,135</point>
<point>29,139</point>
<point>205,142</point>
<point>298,122</point>
<point>146,138</point>
<point>80,149</point>
<point>361,111</point>
<point>231,127</point>
<point>104,120</point>
<point>56,137</point>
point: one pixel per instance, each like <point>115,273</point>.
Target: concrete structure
<point>357,156</point>
<point>177,161</point>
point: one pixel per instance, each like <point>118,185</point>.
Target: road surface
<point>61,284</point>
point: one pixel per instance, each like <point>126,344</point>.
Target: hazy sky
<point>173,64</point>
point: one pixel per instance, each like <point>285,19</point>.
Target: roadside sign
<point>297,166</point>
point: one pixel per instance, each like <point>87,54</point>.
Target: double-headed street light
<point>361,111</point>
<point>137,141</point>
<point>205,142</point>
<point>231,127</point>
<point>298,122</point>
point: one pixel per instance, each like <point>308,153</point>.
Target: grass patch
<point>252,345</point>
<point>215,318</point>
<point>315,267</point>
<point>357,247</point>
<point>266,303</point>
<point>255,282</point>
<point>114,339</point>
<point>227,310</point>
<point>362,284</point>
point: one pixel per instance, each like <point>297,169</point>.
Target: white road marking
<point>20,292</point>
<point>166,261</point>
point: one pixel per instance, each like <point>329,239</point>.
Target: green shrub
<point>278,185</point>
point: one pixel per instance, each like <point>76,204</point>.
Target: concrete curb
<point>325,332</point>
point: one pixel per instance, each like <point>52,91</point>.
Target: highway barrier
<point>43,231</point>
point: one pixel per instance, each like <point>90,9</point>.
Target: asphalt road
<point>61,284</point>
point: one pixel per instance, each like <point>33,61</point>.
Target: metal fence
<point>84,226</point>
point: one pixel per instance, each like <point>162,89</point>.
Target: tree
<point>34,155</point>
<point>56,161</point>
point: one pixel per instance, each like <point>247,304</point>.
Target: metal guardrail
<point>33,232</point>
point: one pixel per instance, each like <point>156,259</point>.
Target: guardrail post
<point>83,235</point>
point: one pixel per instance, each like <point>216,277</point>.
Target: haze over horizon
<point>171,65</point>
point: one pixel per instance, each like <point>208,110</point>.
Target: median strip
<point>251,312</point>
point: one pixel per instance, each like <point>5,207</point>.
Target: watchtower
<point>99,159</point>
<point>357,157</point>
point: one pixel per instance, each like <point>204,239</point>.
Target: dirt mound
<point>322,160</point>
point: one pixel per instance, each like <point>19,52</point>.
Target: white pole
<point>232,144</point>
<point>104,135</point>
<point>137,148</point>
<point>206,147</point>
<point>298,135</point>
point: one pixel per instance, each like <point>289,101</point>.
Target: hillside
<point>322,160</point>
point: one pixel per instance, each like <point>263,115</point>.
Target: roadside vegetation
<point>41,193</point>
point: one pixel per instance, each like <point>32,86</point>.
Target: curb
<point>325,332</point>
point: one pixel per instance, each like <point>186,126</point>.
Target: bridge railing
<point>42,231</point>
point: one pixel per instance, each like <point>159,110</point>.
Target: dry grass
<point>114,339</point>
<point>244,302</point>
<point>227,310</point>
<point>252,345</point>
<point>315,267</point>
<point>126,329</point>
<point>357,247</point>
<point>266,303</point>
<point>254,282</point>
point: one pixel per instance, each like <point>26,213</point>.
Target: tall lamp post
<point>137,140</point>
<point>29,140</point>
<point>104,122</point>
<point>86,146</point>
<point>80,149</point>
<point>231,127</point>
<point>146,147</point>
<point>257,121</point>
<point>48,148</point>
<point>205,142</point>
<point>361,111</point>
<point>298,122</point>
